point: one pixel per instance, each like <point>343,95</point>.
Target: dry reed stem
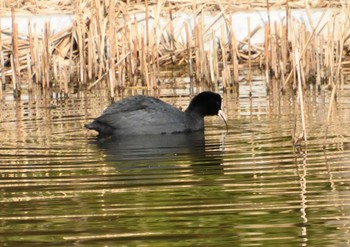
<point>90,53</point>
<point>15,56</point>
<point>267,54</point>
<point>29,79</point>
<point>112,46</point>
<point>37,51</point>
<point>249,60</point>
<point>47,53</point>
<point>14,78</point>
<point>2,84</point>
<point>31,58</point>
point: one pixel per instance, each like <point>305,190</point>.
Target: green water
<point>59,186</point>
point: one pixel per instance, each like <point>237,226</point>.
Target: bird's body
<point>143,115</point>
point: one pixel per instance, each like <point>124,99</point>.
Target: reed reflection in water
<point>60,186</point>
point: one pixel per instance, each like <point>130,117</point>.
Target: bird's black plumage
<point>142,115</point>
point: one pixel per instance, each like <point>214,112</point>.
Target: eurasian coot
<point>142,115</point>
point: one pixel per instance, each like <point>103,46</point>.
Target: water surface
<point>250,186</point>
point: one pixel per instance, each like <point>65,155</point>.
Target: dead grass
<point>110,42</point>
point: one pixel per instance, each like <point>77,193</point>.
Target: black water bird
<point>143,115</point>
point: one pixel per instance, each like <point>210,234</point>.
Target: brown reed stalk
<point>136,44</point>
<point>112,46</point>
<point>101,46</point>
<point>318,55</point>
<point>151,52</point>
<point>340,52</point>
<point>80,34</point>
<point>147,23</point>
<point>96,23</point>
<point>97,63</point>
<point>275,41</point>
<point>120,51</point>
<point>65,77</point>
<point>285,34</point>
<point>215,62</point>
<point>47,33</point>
<point>73,41</point>
<point>234,54</point>
<point>144,65</point>
<point>189,52</point>
<point>90,51</point>
<point>282,75</point>
<point>15,56</point>
<point>155,41</point>
<point>122,69</point>
<point>99,32</point>
<point>46,56</point>
<point>231,49</point>
<point>43,65</point>
<point>197,54</point>
<point>136,58</point>
<point>60,75</point>
<point>249,59</point>
<point>37,67</point>
<point>130,60</point>
<point>56,71</point>
<point>209,57</point>
<point>226,73</point>
<point>16,91</point>
<point>202,55</point>
<point>32,62</point>
<point>198,49</point>
<point>267,54</point>
<point>267,45</point>
<point>2,83</point>
<point>29,70</point>
<point>331,43</point>
<point>300,42</point>
<point>284,53</point>
<point>300,93</point>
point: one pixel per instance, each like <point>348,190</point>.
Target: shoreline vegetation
<point>121,45</point>
<point>129,44</point>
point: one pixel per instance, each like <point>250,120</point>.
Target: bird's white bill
<point>223,117</point>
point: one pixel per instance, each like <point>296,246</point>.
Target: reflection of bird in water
<point>177,160</point>
<point>188,146</point>
<point>153,147</point>
<point>143,115</point>
<point>177,150</point>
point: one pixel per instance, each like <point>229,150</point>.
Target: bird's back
<point>140,115</point>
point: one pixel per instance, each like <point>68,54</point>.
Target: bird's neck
<point>194,111</point>
<point>195,120</point>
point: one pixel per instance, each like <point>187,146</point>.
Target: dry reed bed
<point>127,45</point>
